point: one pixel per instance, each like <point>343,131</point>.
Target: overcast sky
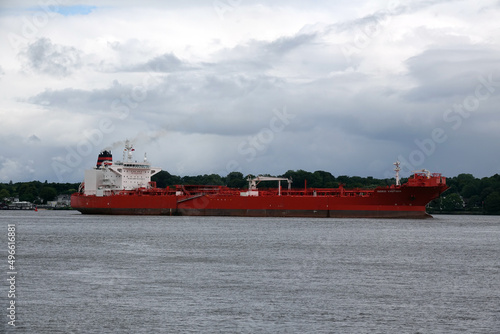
<point>206,87</point>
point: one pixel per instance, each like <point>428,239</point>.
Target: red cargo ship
<point>125,188</point>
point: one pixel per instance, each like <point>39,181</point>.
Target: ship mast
<point>127,152</point>
<point>397,169</point>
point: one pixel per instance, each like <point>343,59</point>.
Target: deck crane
<point>253,182</point>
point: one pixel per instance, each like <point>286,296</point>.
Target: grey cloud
<point>252,56</point>
<point>69,98</point>
<point>286,44</point>
<point>34,139</point>
<point>231,103</point>
<point>448,73</point>
<point>241,102</point>
<point>164,63</point>
<point>137,49</point>
<point>370,22</point>
<point>43,56</point>
<point>19,162</point>
<point>80,100</point>
<point>235,104</point>
<point>303,52</point>
<point>261,51</point>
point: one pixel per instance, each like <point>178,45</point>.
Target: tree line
<point>35,191</point>
<point>300,178</point>
<point>467,193</point>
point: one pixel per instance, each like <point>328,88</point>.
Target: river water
<point>127,274</point>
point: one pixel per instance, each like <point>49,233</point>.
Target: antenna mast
<point>397,169</point>
<point>127,152</point>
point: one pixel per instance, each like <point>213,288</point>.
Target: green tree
<point>473,202</point>
<point>212,179</point>
<point>464,179</point>
<point>486,192</point>
<point>315,180</point>
<point>164,179</point>
<point>27,192</point>
<point>4,193</point>
<point>69,191</point>
<point>324,179</point>
<point>492,203</point>
<point>435,204</point>
<point>235,180</point>
<point>344,179</point>
<point>299,178</point>
<point>48,194</point>
<point>452,202</point>
<point>469,190</point>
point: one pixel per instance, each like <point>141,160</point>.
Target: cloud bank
<point>207,87</point>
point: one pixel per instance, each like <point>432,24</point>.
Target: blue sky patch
<point>74,10</point>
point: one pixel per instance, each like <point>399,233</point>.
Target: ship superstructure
<point>107,176</point>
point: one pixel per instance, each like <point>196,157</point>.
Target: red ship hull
<point>306,206</point>
<point>405,201</point>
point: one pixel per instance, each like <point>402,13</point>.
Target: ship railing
<point>189,190</point>
<point>194,190</point>
<point>319,192</point>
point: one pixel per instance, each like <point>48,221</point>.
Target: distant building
<point>20,205</point>
<point>60,201</point>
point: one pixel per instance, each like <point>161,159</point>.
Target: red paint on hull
<point>405,201</point>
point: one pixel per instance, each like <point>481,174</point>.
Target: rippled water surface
<point>128,274</point>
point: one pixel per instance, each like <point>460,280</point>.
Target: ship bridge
<point>120,175</point>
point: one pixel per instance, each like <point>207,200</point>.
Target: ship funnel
<point>105,157</point>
